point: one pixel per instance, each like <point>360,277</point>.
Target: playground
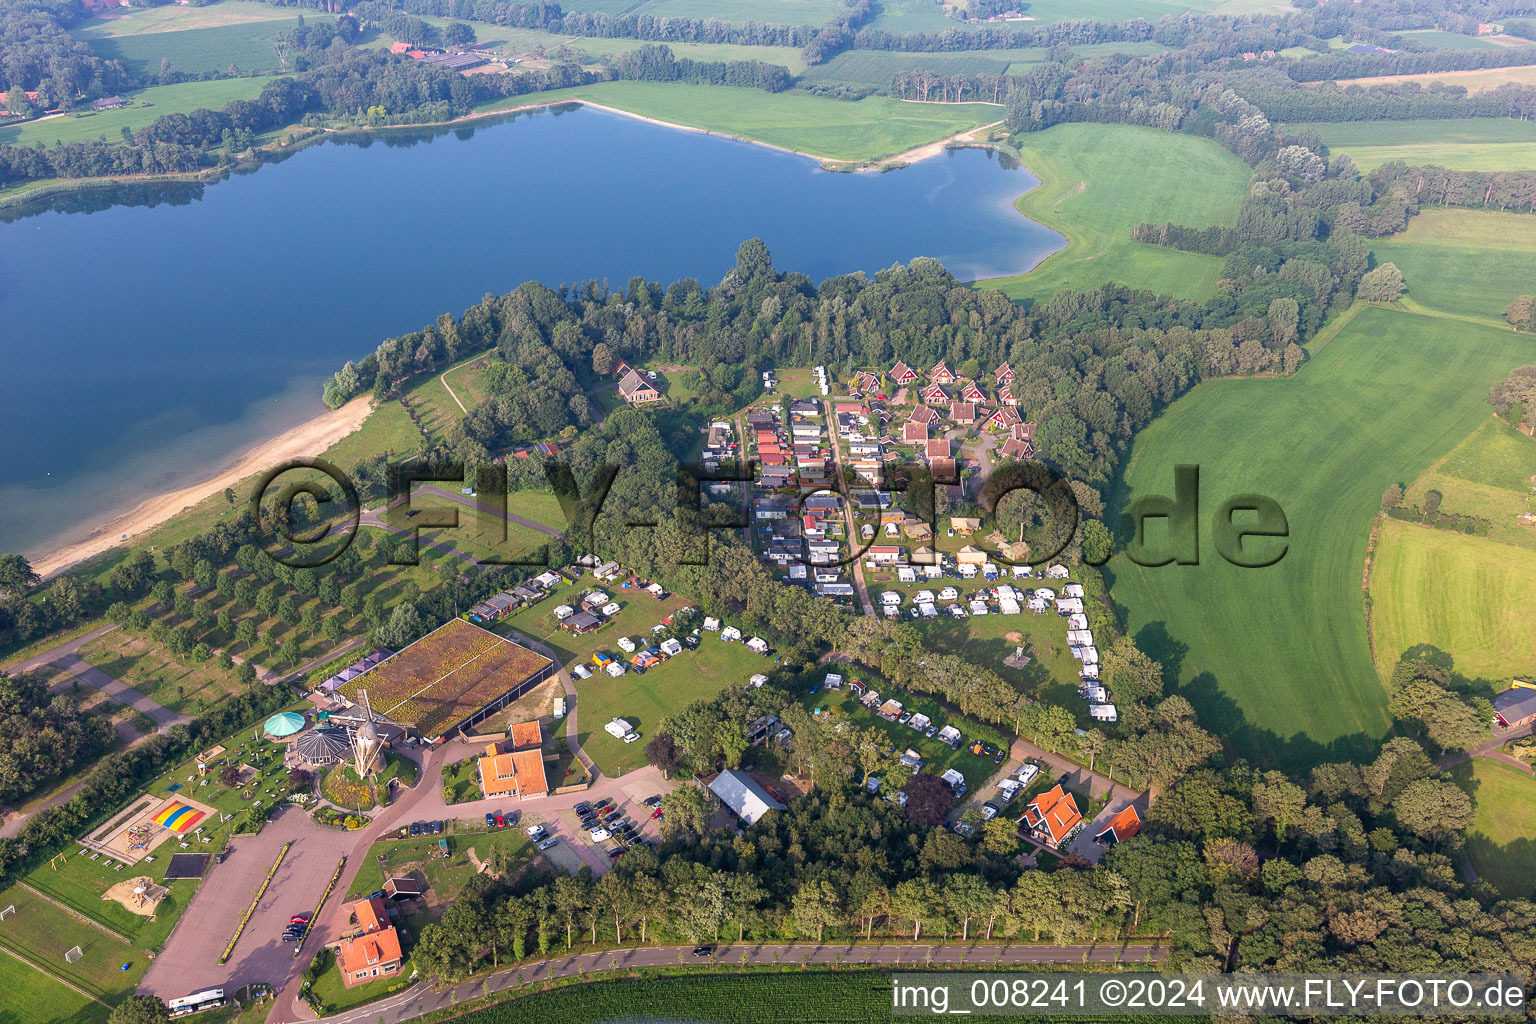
<point>143,832</point>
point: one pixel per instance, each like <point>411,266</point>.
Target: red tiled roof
<point>1054,813</point>
<point>1123,825</point>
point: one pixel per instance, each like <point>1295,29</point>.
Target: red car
<point>501,821</point>
<point>656,813</point>
<point>299,919</point>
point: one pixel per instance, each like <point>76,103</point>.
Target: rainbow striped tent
<point>177,817</point>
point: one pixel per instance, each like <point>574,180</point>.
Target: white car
<point>631,737</point>
<point>535,831</point>
<point>599,834</point>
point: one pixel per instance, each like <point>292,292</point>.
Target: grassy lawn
<point>644,701</point>
<point>1502,840</point>
<point>1451,40</point>
<point>926,16</point>
<point>778,12</point>
<point>1469,144</point>
<point>445,876</point>
<point>167,680</point>
<point>260,754</point>
<point>1488,476</point>
<point>32,997</point>
<point>43,933</point>
<point>844,704</point>
<point>147,104</point>
<point>386,430</point>
<point>79,883</point>
<point>1464,262</point>
<point>1097,182</point>
<point>1276,659</point>
<point>831,129</point>
<point>249,46</point>
<point>1468,596</point>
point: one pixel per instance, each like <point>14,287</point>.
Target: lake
<point>147,345</point>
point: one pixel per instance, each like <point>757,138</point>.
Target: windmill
<point>366,745</point>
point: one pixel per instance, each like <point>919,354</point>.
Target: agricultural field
<point>32,997</point>
<point>1087,193</point>
<point>146,106</point>
<point>1502,840</point>
<point>1487,476</point>
<point>1468,144</point>
<point>445,676</point>
<point>830,129</point>
<point>876,67</point>
<point>1442,40</point>
<point>1471,597</point>
<point>1464,262</point>
<point>177,18</point>
<point>249,46</point>
<point>1276,659</point>
<point>1476,81</point>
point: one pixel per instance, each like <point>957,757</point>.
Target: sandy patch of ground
<point>143,904</point>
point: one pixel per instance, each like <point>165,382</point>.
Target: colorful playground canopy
<point>178,817</point>
<point>284,723</point>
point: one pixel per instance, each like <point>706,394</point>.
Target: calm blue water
<point>146,346</point>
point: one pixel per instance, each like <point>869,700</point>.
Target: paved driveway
<point>190,960</point>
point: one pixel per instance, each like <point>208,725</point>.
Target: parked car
<point>437,828</point>
<point>656,813</point>
<point>582,807</point>
<point>599,834</point>
<point>999,758</point>
<point>490,820</point>
<point>377,894</point>
<point>905,717</point>
<point>535,831</point>
<point>704,950</point>
<point>299,918</point>
<point>551,841</point>
<point>931,731</point>
<point>988,811</point>
<point>501,822</point>
<point>652,801</point>
<point>415,828</point>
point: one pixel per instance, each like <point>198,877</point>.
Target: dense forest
<point>43,736</point>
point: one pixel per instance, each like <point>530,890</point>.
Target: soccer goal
<point>7,912</point>
<point>74,954</point>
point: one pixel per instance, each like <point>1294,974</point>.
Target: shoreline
<point>308,439</point>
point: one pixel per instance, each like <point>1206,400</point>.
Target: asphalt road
<point>421,999</point>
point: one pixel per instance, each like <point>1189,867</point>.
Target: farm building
<point>741,793</point>
<point>1516,706</point>
<point>635,390</point>
<point>453,678</point>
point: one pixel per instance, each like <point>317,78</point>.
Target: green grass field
<point>249,46</point>
<point>446,877</point>
<point>1464,262</point>
<point>1502,840</point>
<point>1451,40</point>
<point>43,934</point>
<point>876,67</point>
<point>926,15</point>
<point>1471,597</point>
<point>834,129</point>
<point>148,104</point>
<point>177,18</point>
<point>80,882</point>
<point>1470,144</point>
<point>1097,182</point>
<point>31,997</point>
<point>1488,476</point>
<point>1276,659</point>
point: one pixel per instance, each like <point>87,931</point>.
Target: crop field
<point>1488,476</point>
<point>34,998</point>
<point>1099,181</point>
<point>445,676</point>
<point>833,129</point>
<point>146,105</point>
<point>1476,81</point>
<point>249,46</point>
<point>1502,840</point>
<point>1464,262</point>
<point>1469,144</point>
<point>875,67</point>
<point>1454,40</point>
<point>1276,659</point>
<point>177,18</point>
<point>1471,597</point>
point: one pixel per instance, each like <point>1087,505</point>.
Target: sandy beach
<point>306,440</point>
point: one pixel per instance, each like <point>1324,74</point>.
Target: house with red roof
<point>962,413</point>
<point>1121,827</point>
<point>923,414</point>
<point>1003,374</point>
<point>914,431</point>
<point>1052,817</point>
<point>1006,418</point>
<point>936,448</point>
<point>1005,395</point>
<point>972,393</point>
<point>941,373</point>
<point>934,394</point>
<point>902,374</point>
<point>374,951</point>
